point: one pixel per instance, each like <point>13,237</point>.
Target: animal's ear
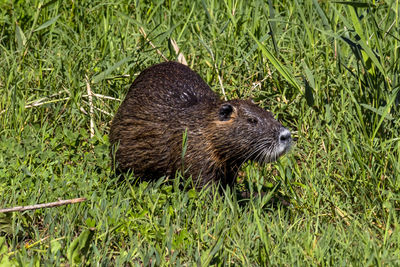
<point>225,112</point>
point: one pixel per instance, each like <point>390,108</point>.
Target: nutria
<point>168,101</point>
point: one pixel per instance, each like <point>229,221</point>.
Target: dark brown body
<point>168,99</point>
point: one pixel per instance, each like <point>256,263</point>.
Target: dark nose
<point>284,135</point>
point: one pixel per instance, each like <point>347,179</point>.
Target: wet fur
<point>169,98</point>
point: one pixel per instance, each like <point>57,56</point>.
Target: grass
<point>328,70</point>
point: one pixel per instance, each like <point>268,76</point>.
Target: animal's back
<point>170,85</point>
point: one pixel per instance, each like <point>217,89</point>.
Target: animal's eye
<point>252,121</point>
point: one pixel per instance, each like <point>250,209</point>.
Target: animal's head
<point>245,131</point>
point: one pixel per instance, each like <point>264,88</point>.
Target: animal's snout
<point>284,135</point>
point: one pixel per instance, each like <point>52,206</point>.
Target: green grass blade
<point>277,64</point>
<point>386,111</point>
<point>47,24</point>
<point>20,37</point>
<point>363,41</point>
<point>105,74</point>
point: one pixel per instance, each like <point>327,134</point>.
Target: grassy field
<point>328,70</point>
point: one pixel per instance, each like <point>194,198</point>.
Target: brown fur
<point>169,98</point>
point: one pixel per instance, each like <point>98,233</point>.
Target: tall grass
<point>328,70</point>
